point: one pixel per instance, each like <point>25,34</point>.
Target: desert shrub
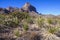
<point>53,29</point>
<point>40,22</point>
<point>11,22</point>
<point>29,20</point>
<point>16,33</point>
<point>25,26</point>
<point>20,15</point>
<point>15,20</point>
<point>2,17</point>
<point>58,20</point>
<point>50,21</point>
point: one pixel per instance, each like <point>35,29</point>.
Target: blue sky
<point>42,6</point>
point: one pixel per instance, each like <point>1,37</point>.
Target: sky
<point>42,6</point>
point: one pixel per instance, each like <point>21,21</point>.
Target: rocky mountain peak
<point>28,7</point>
<point>26,4</point>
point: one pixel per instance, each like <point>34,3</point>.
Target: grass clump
<point>50,21</point>
<point>14,18</point>
<point>20,15</point>
<point>29,20</point>
<point>53,30</point>
<point>25,26</point>
<point>40,21</point>
<point>16,33</point>
<point>11,22</point>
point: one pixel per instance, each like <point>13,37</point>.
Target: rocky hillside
<point>26,23</point>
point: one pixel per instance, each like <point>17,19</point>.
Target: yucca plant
<point>49,34</point>
<point>20,15</point>
<point>40,22</point>
<point>25,26</point>
<point>50,21</point>
<point>12,22</point>
<point>16,33</point>
<point>2,18</point>
<point>15,20</point>
<point>53,30</point>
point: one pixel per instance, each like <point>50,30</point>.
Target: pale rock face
<point>3,10</point>
<point>28,7</point>
<point>25,7</point>
<point>11,9</point>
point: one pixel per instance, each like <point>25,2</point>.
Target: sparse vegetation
<point>25,26</point>
<point>20,15</point>
<point>28,25</point>
<point>40,22</point>
<point>50,21</point>
<point>14,18</point>
<point>16,33</point>
<point>53,30</point>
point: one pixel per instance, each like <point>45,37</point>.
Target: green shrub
<point>13,22</point>
<point>20,15</point>
<point>53,30</point>
<point>50,21</point>
<point>2,17</point>
<point>16,33</point>
<point>29,20</point>
<point>40,22</point>
<point>25,26</point>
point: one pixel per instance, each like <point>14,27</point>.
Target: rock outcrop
<point>28,7</point>
<point>3,10</point>
<point>12,9</point>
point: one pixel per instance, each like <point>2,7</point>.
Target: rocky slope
<point>26,24</point>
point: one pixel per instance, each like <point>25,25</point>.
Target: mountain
<point>27,7</point>
<point>26,23</point>
<point>12,9</point>
<point>3,10</point>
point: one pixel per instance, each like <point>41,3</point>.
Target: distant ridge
<point>27,7</point>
